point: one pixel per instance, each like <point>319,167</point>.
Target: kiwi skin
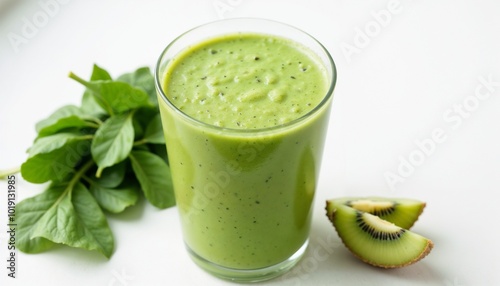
<point>402,212</point>
<point>334,211</point>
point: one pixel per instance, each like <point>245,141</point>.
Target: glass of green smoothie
<point>245,106</point>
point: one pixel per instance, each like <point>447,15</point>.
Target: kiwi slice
<point>400,211</point>
<point>374,240</point>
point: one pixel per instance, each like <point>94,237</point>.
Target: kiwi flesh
<point>400,211</point>
<point>376,241</point>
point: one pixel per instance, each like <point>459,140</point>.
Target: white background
<point>403,75</point>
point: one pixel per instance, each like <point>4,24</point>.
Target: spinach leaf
<point>75,219</point>
<point>115,200</point>
<point>28,213</point>
<point>64,117</point>
<point>113,141</point>
<point>56,164</point>
<point>98,73</point>
<point>142,117</point>
<point>89,102</point>
<point>93,229</point>
<point>154,131</point>
<point>115,96</point>
<point>53,142</point>
<point>154,176</point>
<point>111,177</point>
<point>160,150</point>
<point>143,79</point>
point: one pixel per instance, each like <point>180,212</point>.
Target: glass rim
<point>326,98</point>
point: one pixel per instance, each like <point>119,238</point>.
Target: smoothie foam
<point>246,81</point>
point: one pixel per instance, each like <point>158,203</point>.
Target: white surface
<point>393,91</point>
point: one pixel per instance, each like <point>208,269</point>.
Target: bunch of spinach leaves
<point>99,157</point>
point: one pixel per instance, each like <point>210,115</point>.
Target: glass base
<point>249,275</point>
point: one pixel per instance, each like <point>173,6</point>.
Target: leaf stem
<point>81,80</point>
<point>140,142</point>
<point>98,122</point>
<point>87,179</point>
<point>94,90</point>
<point>86,137</point>
<point>10,171</point>
<point>80,173</point>
<point>93,125</point>
<point>73,181</point>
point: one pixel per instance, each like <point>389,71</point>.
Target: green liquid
<point>245,195</point>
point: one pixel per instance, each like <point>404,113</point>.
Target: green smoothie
<point>246,81</point>
<point>244,124</point>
